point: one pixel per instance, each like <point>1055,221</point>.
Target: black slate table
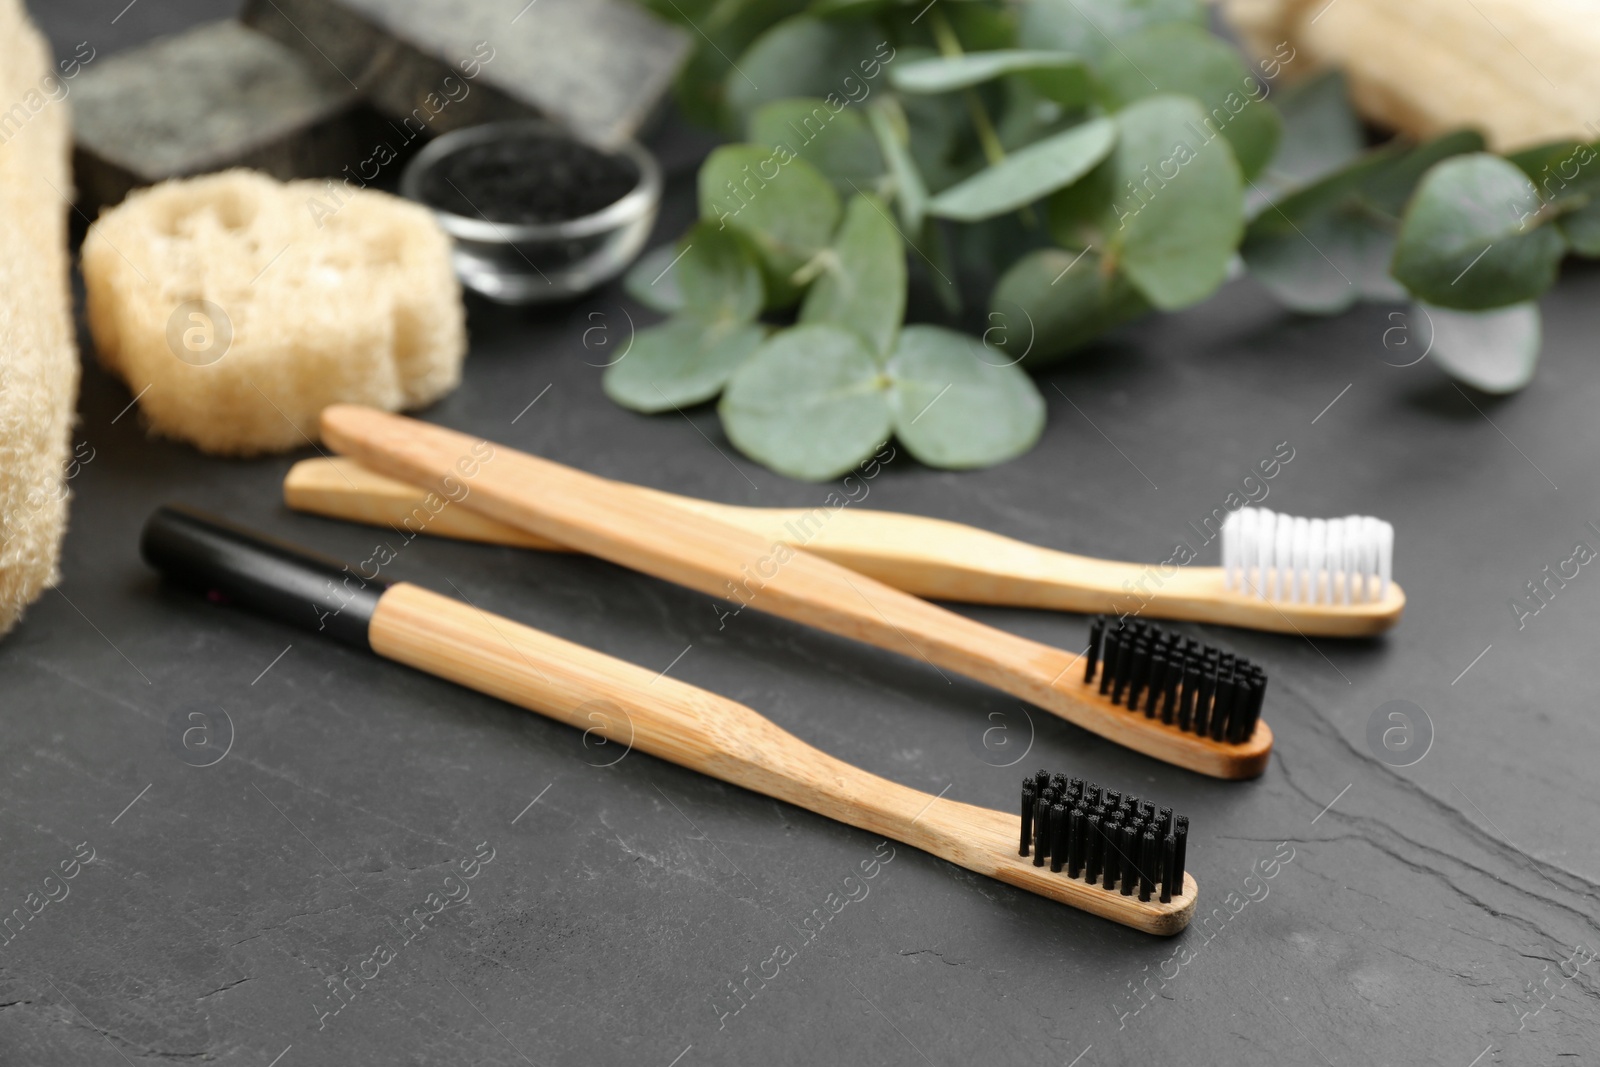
<point>626,911</point>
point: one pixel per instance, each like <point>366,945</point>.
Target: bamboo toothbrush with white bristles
<point>1318,578</point>
<point>1177,700</point>
<point>1094,848</point>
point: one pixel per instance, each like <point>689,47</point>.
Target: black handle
<point>266,575</point>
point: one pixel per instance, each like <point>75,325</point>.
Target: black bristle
<point>1180,831</point>
<point>1041,830</point>
<point>1092,657</point>
<point>1158,682</point>
<point>1169,691</point>
<point>1094,853</point>
<point>1108,838</point>
<point>1075,844</point>
<point>1140,675</point>
<point>1202,711</point>
<point>1191,695</point>
<point>1169,848</point>
<point>1148,858</point>
<point>1227,697</point>
<point>1028,797</point>
<point>1194,687</point>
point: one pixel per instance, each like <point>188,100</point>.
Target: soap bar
<point>598,67</point>
<point>217,96</point>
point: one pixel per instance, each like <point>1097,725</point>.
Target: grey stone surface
<point>600,67</point>
<point>1424,917</point>
<point>215,96</point>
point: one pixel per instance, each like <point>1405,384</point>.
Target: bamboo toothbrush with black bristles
<point>1096,849</point>
<point>1313,577</point>
<point>1136,696</point>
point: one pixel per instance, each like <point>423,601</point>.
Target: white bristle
<point>1280,557</point>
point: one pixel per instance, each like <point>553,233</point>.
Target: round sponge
<point>237,307</point>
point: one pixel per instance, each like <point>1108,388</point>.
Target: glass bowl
<point>535,263</point>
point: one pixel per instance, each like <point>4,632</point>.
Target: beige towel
<point>38,358</point>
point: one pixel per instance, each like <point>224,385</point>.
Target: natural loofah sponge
<point>237,307</point>
<point>38,359</point>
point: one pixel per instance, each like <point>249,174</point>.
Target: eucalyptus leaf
<point>1561,172</point>
<point>1028,174</point>
<point>1322,248</point>
<point>805,56</point>
<point>837,142</point>
<point>1493,351</point>
<point>1469,239</point>
<point>1165,206</point>
<point>1321,131</point>
<point>910,194</point>
<point>717,275</point>
<point>863,285</point>
<point>1087,27</point>
<point>811,403</point>
<point>1389,190</point>
<point>683,361</point>
<point>1331,260</point>
<point>1582,229</point>
<point>1182,58</point>
<point>781,202</point>
<point>652,281</point>
<point>945,74</point>
<point>954,409</point>
<point>1052,302</point>
<point>1330,243</point>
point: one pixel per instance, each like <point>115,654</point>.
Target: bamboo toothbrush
<point>1321,578</point>
<point>1222,736</point>
<point>1070,841</point>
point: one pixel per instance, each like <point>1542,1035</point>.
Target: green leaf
<point>1026,175</point>
<point>652,280</point>
<point>805,56</point>
<point>717,277</point>
<point>1561,171</point>
<point>1331,260</point>
<point>953,409</point>
<point>721,31</point>
<point>1186,59</point>
<point>838,143</point>
<point>910,194</point>
<point>1390,189</point>
<point>781,202</point>
<point>1087,27</point>
<point>863,285</point>
<point>1321,132</point>
<point>1492,351</point>
<point>1323,247</point>
<point>683,361</point>
<point>810,403</point>
<point>1582,229</point>
<point>1165,206</point>
<point>1051,302</point>
<point>945,74</point>
<point>1469,239</point>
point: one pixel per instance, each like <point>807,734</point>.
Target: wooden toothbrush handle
<point>927,557</point>
<point>656,537</point>
<point>628,707</point>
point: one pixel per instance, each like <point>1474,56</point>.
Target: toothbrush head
<point>1117,842</point>
<point>1309,561</point>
